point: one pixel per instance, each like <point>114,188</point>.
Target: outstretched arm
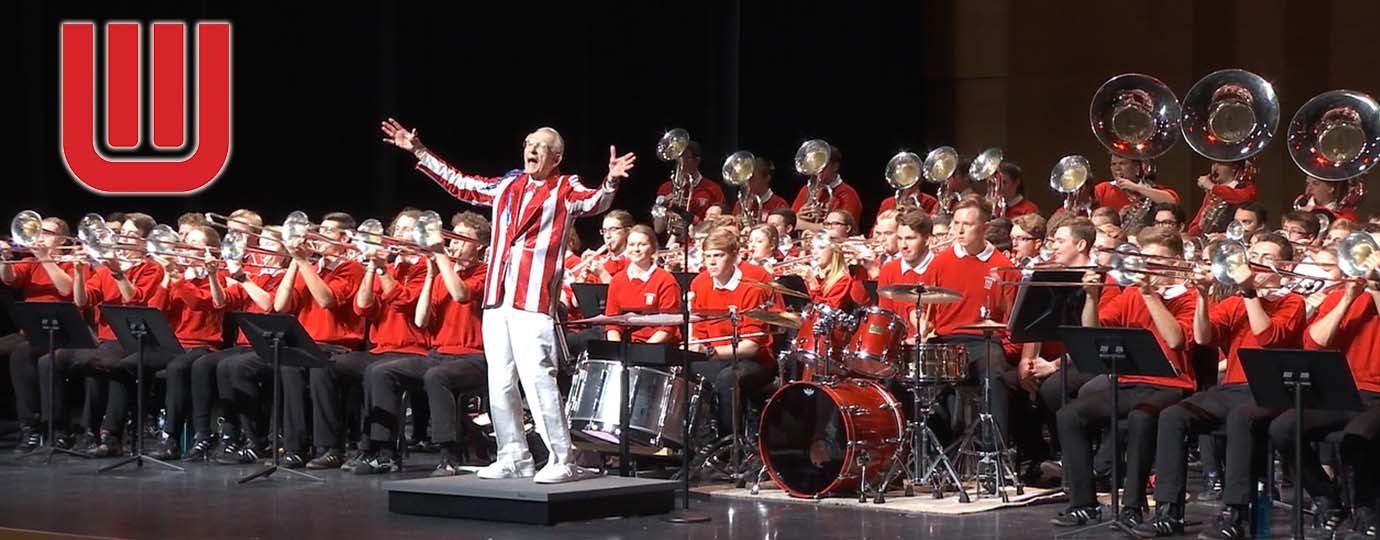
<point>593,201</point>
<point>466,187</point>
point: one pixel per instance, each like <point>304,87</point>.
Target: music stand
<point>1295,379</point>
<point>146,331</point>
<point>1115,352</point>
<point>280,338</point>
<point>684,279</point>
<point>593,297</point>
<point>49,326</point>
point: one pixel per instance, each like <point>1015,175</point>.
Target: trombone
<point>298,227</point>
<point>429,232</point>
<point>224,222</point>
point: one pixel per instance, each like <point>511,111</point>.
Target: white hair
<point>559,146</point>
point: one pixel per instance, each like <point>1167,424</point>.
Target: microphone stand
<point>685,515</point>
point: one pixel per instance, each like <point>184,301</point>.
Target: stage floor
<point>204,502</point>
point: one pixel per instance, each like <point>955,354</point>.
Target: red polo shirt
<point>846,294</point>
<point>457,328</point>
<point>392,313</point>
<point>237,299</point>
<point>1232,195</point>
<point>656,292</point>
<point>102,289</point>
<point>1231,329</point>
<point>339,325</point>
<point>34,282</point>
<point>1358,337</point>
<point>195,319</point>
<point>844,197</point>
<point>892,273</point>
<point>1021,208</point>
<point>968,274</point>
<point>735,295</point>
<point>1107,194</point>
<point>772,203</point>
<point>927,203</point>
<point>1129,311</point>
<point>704,194</point>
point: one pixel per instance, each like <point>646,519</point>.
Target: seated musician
<point>884,237</point>
<point>1167,215</point>
<point>601,267</point>
<point>1302,228</point>
<point>704,192</point>
<point>834,193</point>
<point>1132,181</point>
<point>1326,196</point>
<point>41,278</point>
<point>1027,238</point>
<point>764,246</point>
<point>447,311</point>
<point>1105,214</point>
<point>911,197</point>
<point>1012,188</point>
<point>244,429</point>
<point>908,268</point>
<point>784,220</point>
<point>643,287</point>
<point>1262,315</point>
<point>129,281</point>
<point>1166,309</point>
<point>721,287</point>
<point>1253,217</point>
<point>193,299</point>
<point>761,200</point>
<point>830,283</point>
<point>1230,183</point>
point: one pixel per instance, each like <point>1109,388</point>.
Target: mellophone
<point>834,428</point>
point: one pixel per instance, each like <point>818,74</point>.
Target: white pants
<point>521,345</point>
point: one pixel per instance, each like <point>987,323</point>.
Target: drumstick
<point>721,338</point>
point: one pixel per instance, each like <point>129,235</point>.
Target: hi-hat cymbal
<point>775,318</point>
<point>985,324</point>
<point>777,287</point>
<point>919,294</point>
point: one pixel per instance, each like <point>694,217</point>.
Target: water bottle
<point>1261,510</point>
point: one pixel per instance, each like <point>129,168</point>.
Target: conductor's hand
<point>399,136</point>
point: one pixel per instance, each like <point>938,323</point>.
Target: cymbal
<point>985,324</point>
<point>919,294</point>
<point>777,287</point>
<point>775,318</point>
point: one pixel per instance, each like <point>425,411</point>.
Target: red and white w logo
<point>124,130</point>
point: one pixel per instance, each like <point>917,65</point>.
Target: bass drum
<point>815,438</point>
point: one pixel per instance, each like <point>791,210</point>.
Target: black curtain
<point>312,81</point>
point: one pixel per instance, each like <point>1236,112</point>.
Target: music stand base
<point>270,469</point>
<point>686,516</point>
<point>138,461</point>
<point>47,452</point>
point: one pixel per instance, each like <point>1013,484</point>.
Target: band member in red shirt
<point>911,197</point>
<point>760,199</point>
<point>913,229</point>
<point>764,246</point>
<point>834,193</point>
<point>40,279</point>
<point>1262,315</point>
<point>720,287</point>
<point>1166,309</point>
<point>533,213</point>
<point>829,281</point>
<point>643,287</point>
<point>193,298</point>
<point>1131,181</point>
<point>610,260</point>
<point>703,192</point>
<point>1012,188</point>
<point>1324,196</point>
<point>1229,183</point>
<point>129,281</point>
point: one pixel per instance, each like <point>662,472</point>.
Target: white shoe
<point>505,469</point>
<point>561,473</point>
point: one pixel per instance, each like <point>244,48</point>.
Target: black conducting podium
<point>279,339</point>
<point>48,327</point>
<point>1115,352</point>
<point>1303,380</point>
<point>145,331</point>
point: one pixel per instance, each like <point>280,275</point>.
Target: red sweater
<point>102,289</point>
<point>968,275</point>
<point>927,203</point>
<point>457,328</point>
<point>237,299</point>
<point>705,194</point>
<point>1231,329</point>
<point>1107,194</point>
<point>339,325</point>
<point>890,274</point>
<point>844,197</point>
<point>392,313</point>
<point>658,294</point>
<point>1356,337</point>
<point>1128,311</point>
<point>741,297</point>
<point>34,282</point>
<point>1021,208</point>
<point>760,214</point>
<point>846,294</point>
<point>195,319</point>
<point>1233,195</point>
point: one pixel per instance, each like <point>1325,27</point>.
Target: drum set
<point>833,426</point>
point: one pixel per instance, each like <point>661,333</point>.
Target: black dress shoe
<point>332,459</point>
<point>449,466</point>
<point>1130,517</point>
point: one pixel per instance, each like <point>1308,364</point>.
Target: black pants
<point>1140,405</point>
<point>329,387</point>
<point>752,376</point>
<point>1026,416</point>
<point>122,378</point>
<point>192,384</point>
<point>1316,426</point>
<point>24,379</point>
<point>242,380</point>
<point>1360,443</point>
<point>1197,414</point>
<point>439,376</point>
<point>1055,391</point>
<point>77,363</point>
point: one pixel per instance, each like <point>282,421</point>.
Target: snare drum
<point>818,439</point>
<point>658,400</point>
<point>875,348</point>
<point>934,363</point>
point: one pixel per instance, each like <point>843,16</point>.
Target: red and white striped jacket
<point>531,220</point>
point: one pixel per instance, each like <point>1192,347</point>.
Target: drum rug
<point>921,503</point>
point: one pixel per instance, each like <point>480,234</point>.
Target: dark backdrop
<point>312,81</point>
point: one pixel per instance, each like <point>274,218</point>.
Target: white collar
<point>919,269</point>
<point>191,273</point>
<point>983,256</point>
<point>1174,292</point>
<point>838,179</point>
<point>1014,200</point>
<point>270,271</point>
<point>764,197</point>
<point>732,282</point>
<point>637,275</point>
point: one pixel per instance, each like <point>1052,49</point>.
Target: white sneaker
<point>505,469</point>
<point>561,473</point>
